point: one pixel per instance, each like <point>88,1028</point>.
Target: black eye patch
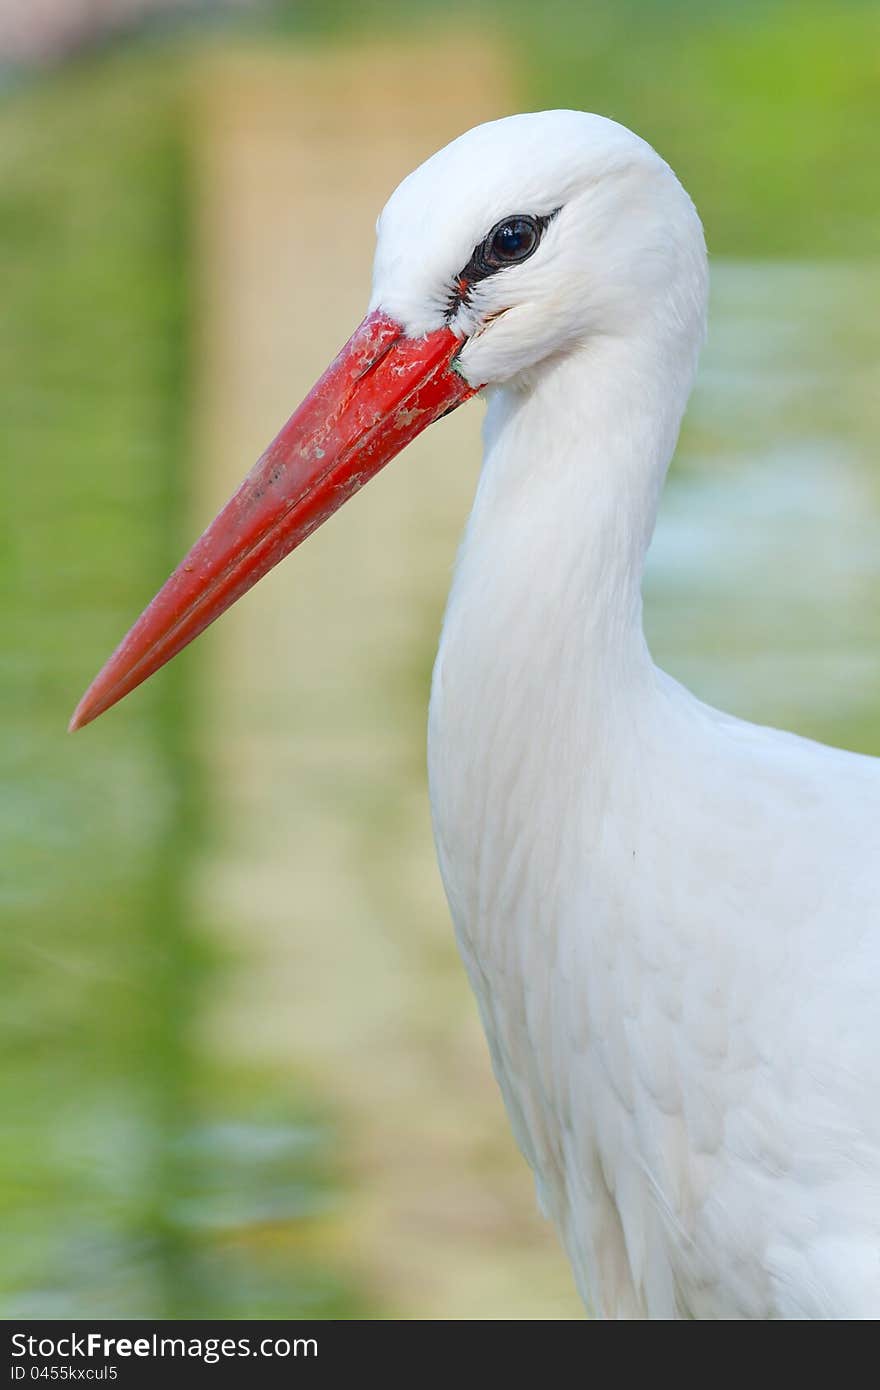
<point>511,241</point>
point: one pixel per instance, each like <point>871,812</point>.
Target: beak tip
<point>82,715</point>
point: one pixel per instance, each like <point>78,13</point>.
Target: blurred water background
<point>242,1074</point>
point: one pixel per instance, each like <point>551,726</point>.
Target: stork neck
<point>554,551</point>
<point>544,692</point>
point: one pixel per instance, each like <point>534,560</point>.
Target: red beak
<point>382,390</point>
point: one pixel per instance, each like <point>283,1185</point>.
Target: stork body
<point>669,917</point>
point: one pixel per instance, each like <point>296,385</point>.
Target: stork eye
<point>512,240</point>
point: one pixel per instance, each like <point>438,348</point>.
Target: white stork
<point>670,917</point>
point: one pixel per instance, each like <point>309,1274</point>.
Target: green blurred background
<point>241,1074</point>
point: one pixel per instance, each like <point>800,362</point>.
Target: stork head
<point>519,242</point>
<point>533,234</point>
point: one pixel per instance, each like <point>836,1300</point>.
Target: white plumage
<point>669,916</point>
